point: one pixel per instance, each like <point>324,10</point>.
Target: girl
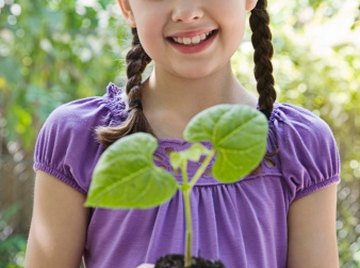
<point>283,215</point>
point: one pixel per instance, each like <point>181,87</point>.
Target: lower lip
<point>191,49</point>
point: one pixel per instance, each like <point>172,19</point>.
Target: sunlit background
<point>54,51</point>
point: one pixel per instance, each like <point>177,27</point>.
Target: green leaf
<point>195,152</point>
<point>126,176</point>
<point>177,159</point>
<point>238,134</point>
<point>104,3</point>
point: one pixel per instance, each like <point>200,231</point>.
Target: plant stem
<point>186,190</point>
<point>202,168</point>
<point>188,234</point>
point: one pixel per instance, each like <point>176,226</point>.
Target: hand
<point>146,265</point>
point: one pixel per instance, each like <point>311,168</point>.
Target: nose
<point>187,11</point>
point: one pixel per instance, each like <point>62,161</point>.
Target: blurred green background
<point>55,51</point>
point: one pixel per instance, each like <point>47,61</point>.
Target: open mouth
<point>194,40</point>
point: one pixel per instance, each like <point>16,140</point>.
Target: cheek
<point>234,10</point>
<point>235,17</point>
<point>149,29</point>
<point>149,41</point>
<point>235,29</point>
<point>151,34</point>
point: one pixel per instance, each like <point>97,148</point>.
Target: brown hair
<point>261,40</point>
<point>137,60</point>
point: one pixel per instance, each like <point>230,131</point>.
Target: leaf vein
<point>234,130</point>
<point>116,184</point>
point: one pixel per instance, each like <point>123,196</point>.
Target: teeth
<point>191,40</point>
<point>195,40</point>
<point>187,41</point>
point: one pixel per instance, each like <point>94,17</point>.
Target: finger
<point>146,265</point>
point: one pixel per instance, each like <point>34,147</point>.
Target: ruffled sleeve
<point>309,157</point>
<point>66,147</point>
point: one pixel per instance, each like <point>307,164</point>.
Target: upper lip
<point>190,33</point>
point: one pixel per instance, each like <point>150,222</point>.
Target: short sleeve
<point>308,153</point>
<point>66,146</point>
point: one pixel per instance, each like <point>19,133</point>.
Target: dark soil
<point>177,261</point>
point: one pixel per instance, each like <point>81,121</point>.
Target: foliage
<point>50,53</point>
<point>55,51</point>
<point>12,247</point>
<point>126,175</point>
<point>317,63</point>
<point>327,82</point>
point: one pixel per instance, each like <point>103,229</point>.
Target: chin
<point>195,73</point>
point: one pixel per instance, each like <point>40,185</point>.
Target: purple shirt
<point>244,224</point>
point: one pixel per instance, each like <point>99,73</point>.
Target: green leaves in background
<point>126,177</point>
<point>238,134</point>
<point>55,51</point>
<point>105,3</point>
<point>52,52</point>
<point>12,245</point>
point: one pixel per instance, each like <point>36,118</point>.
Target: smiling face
<point>188,38</point>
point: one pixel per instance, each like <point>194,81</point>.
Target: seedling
<point>126,176</point>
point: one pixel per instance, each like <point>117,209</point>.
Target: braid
<point>136,61</point>
<point>261,40</point>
